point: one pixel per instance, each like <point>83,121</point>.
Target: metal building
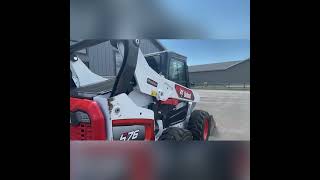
<point>105,61</point>
<point>225,73</point>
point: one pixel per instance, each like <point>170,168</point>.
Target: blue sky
<point>226,22</point>
<point>210,50</point>
<point>220,19</point>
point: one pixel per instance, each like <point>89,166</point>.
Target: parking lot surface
<point>231,111</point>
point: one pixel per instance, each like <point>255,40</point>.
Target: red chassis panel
<point>96,129</point>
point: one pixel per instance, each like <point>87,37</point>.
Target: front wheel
<point>200,124</point>
<point>176,134</point>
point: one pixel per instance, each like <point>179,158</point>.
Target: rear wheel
<point>176,134</point>
<point>200,124</point>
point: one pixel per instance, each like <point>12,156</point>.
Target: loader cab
<point>171,65</point>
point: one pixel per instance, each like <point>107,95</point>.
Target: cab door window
<point>177,71</point>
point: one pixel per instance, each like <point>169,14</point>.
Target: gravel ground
<point>231,111</point>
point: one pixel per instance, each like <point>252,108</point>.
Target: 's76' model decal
<point>127,136</point>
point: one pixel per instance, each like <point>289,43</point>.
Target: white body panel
<point>140,99</point>
<point>82,76</point>
<point>124,108</point>
<point>103,103</point>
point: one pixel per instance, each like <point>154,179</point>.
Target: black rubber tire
<point>196,124</point>
<point>176,134</point>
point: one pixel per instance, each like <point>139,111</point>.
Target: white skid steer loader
<point>141,103</point>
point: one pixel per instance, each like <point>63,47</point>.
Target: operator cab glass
<point>171,65</point>
<point>177,71</point>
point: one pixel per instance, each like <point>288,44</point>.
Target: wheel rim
<point>205,129</point>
